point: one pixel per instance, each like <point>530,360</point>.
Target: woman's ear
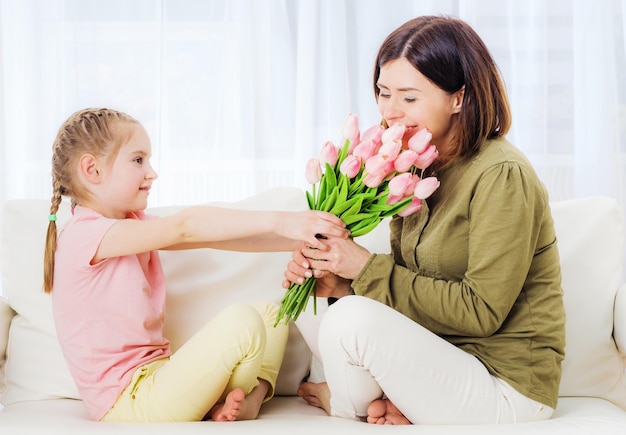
<point>457,100</point>
<point>88,168</point>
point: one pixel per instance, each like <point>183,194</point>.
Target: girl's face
<point>407,96</point>
<point>127,181</point>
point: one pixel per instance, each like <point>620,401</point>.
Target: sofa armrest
<point>619,327</point>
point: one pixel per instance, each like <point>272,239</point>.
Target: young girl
<point>108,289</point>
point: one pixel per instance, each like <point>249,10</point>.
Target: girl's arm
<point>223,228</point>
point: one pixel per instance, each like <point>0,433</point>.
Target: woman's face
<point>407,96</point>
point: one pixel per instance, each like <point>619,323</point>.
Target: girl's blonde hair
<point>88,131</point>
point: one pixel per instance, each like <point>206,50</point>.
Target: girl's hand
<point>307,226</point>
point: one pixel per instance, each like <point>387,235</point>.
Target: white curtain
<point>237,94</point>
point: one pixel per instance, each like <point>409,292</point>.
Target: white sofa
<point>39,396</point>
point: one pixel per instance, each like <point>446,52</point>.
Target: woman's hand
<point>308,225</point>
<point>343,257</point>
<point>328,284</point>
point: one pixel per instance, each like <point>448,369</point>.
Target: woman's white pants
<point>369,349</point>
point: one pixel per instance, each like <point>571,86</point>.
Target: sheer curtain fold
<point>237,95</point>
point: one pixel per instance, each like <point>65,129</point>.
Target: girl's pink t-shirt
<point>109,316</point>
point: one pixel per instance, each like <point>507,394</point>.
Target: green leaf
<point>366,229</point>
<point>343,186</point>
<point>342,154</point>
<point>396,208</point>
<point>310,200</point>
<point>362,223</point>
<point>378,207</point>
<point>322,193</point>
<point>329,202</point>
<point>357,217</point>
<point>340,207</point>
<point>330,177</point>
<point>348,208</point>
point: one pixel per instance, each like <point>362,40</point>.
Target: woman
<point>464,322</point>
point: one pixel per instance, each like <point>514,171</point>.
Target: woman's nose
<point>390,110</point>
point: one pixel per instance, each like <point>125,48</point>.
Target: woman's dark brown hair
<point>451,55</point>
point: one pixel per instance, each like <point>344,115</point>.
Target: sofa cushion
<point>590,233</point>
<point>200,282</point>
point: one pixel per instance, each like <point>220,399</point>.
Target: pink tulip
<point>328,154</point>
<point>425,187</point>
<point>420,140</point>
<point>390,149</point>
<point>392,199</point>
<point>401,184</point>
<point>350,131</point>
<point>378,164</point>
<point>414,206</point>
<point>426,158</point>
<point>373,179</point>
<point>313,172</point>
<point>373,133</point>
<point>366,149</point>
<point>350,166</point>
<point>395,132</point>
<point>405,160</point>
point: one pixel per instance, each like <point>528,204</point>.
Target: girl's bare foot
<point>382,411</point>
<point>231,408</point>
<point>238,406</point>
<point>316,395</point>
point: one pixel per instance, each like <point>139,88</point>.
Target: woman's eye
<point>409,99</point>
<point>384,95</point>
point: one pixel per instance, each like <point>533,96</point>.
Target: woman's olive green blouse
<point>478,265</point>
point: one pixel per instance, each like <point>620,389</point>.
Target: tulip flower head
<point>350,130</point>
<point>395,132</point>
<point>425,159</point>
<point>405,160</point>
<point>425,187</point>
<point>420,140</point>
<point>351,166</point>
<point>365,149</point>
<point>328,154</point>
<point>373,133</point>
<point>313,171</point>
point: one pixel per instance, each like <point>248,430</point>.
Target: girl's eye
<point>138,160</point>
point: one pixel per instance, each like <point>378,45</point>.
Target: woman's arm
<point>468,279</point>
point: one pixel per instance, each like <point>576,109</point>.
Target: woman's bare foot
<point>238,406</point>
<point>382,411</point>
<point>316,395</point>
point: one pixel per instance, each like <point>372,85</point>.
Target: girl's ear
<point>88,167</point>
<point>457,100</point>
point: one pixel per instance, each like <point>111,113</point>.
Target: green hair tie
<point>52,217</point>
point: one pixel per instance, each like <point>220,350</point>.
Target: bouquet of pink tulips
<point>369,178</point>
